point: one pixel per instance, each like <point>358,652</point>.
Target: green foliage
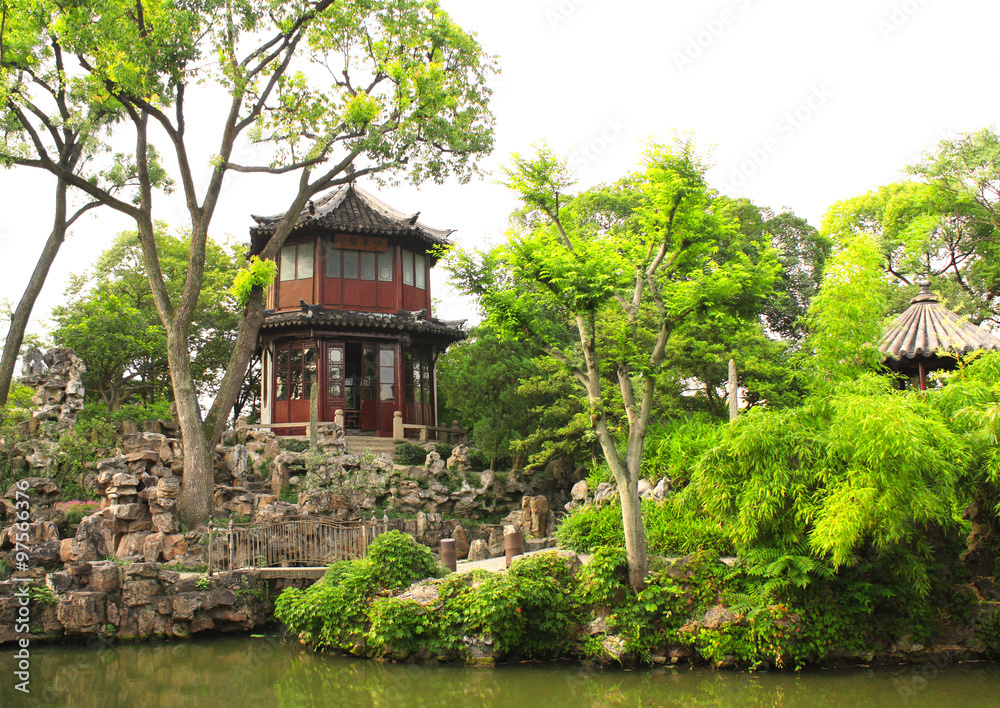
<point>478,385</point>
<point>408,453</point>
<point>110,320</point>
<point>672,448</point>
<point>257,274</point>
<point>42,595</point>
<point>399,561</point>
<point>203,583</point>
<point>444,450</point>
<point>846,317</point>
<point>75,510</point>
<point>293,444</point>
<point>675,527</point>
<point>400,627</point>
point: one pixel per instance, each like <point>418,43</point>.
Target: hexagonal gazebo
<point>350,313</point>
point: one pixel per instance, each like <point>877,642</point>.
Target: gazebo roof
<point>926,331</point>
<point>414,323</point>
<point>348,209</point>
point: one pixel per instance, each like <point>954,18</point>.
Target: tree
<point>109,319</point>
<point>45,121</point>
<point>942,226</point>
<point>478,382</point>
<point>517,406</point>
<point>622,267</point>
<point>336,90</point>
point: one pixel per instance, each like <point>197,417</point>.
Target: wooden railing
<point>290,542</point>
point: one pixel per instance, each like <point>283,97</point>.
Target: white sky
<point>831,98</point>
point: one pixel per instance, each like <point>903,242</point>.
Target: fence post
<point>211,528</point>
<point>232,543</point>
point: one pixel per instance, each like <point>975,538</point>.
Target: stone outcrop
<point>139,600</point>
<point>57,375</point>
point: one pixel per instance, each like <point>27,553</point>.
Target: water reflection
<point>264,671</point>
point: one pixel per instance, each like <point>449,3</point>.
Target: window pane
<point>407,268</point>
<point>419,270</point>
<point>310,371</point>
<point>385,266</point>
<point>367,265</point>
<point>332,262</point>
<point>288,263</point>
<point>335,356</point>
<point>387,357</point>
<point>281,374</point>
<point>295,378</point>
<point>336,390</point>
<point>386,392</point>
<point>350,264</point>
<point>305,261</point>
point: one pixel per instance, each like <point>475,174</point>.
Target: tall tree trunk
<point>21,315</point>
<point>635,534</point>
<point>236,369</point>
<point>198,482</point>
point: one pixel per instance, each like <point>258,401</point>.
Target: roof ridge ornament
<point>925,294</point>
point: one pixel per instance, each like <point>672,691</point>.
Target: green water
<point>226,672</point>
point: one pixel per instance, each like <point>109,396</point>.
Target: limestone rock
<point>459,460</point>
<point>82,612</point>
<point>479,550</point>
<point>535,516</point>
<point>461,537</point>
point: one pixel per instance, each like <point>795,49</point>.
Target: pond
<point>263,671</point>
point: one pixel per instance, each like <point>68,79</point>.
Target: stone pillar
<point>338,418</point>
<point>397,425</point>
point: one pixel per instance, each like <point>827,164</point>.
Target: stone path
<point>497,564</point>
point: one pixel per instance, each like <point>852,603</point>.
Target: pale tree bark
<point>627,470</point>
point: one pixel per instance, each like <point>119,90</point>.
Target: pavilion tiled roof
<point>927,329</point>
<point>348,209</point>
<point>402,321</point>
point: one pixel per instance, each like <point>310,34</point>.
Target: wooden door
<point>295,374</point>
<point>369,387</point>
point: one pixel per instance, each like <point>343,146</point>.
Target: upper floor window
<point>415,269</point>
<point>297,261</point>
<point>359,265</point>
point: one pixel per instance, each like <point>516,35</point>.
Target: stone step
<point>359,443</point>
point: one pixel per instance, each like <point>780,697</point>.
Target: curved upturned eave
<point>443,330</point>
<point>928,329</point>
<point>351,210</point>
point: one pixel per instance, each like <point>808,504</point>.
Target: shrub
<point>444,449</point>
<point>76,509</point>
<point>293,444</point>
<point>409,454</point>
<point>479,460</point>
<point>398,561</point>
<point>672,528</point>
<point>134,412</point>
